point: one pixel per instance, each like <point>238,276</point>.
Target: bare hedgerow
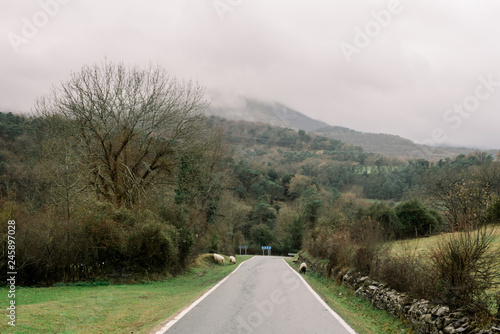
<point>357,244</point>
<point>340,252</point>
<point>371,246</point>
<point>406,272</point>
<point>332,241</point>
<point>466,267</point>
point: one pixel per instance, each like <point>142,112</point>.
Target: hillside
<point>390,145</point>
<point>274,113</point>
<point>277,114</point>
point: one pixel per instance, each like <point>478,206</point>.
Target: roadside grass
<point>86,308</point>
<point>357,312</point>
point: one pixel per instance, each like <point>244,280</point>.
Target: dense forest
<point>125,182</point>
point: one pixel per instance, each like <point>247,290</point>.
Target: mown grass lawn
<point>137,308</point>
<point>357,312</point>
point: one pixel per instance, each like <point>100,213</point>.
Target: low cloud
<point>426,58</point>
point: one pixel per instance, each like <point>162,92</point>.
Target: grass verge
<point>137,308</point>
<point>357,312</point>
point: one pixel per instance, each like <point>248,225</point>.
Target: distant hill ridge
<point>275,114</point>
<point>386,144</point>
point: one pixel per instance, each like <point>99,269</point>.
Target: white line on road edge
<point>196,302</point>
<point>328,308</point>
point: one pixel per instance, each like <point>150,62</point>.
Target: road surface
<point>262,296</point>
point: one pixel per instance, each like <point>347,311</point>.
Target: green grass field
<point>137,308</point>
<point>423,245</point>
<point>357,312</point>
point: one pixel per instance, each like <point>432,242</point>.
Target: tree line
<point>119,175</point>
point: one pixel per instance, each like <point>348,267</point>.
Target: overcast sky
<point>425,70</point>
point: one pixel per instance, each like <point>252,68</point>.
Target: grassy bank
<point>425,244</point>
<point>357,312</point>
<point>124,308</point>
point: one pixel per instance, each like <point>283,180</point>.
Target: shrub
<point>370,239</point>
<point>103,240</point>
<point>416,218</point>
<point>492,215</point>
<point>358,245</point>
<point>152,247</point>
<point>406,272</point>
<point>386,217</point>
<point>466,266</point>
<point>99,242</point>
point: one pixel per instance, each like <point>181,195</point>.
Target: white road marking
<point>328,308</point>
<point>196,302</point>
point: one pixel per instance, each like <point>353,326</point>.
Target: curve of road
<point>264,295</point>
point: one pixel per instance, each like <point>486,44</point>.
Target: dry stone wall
<point>424,316</point>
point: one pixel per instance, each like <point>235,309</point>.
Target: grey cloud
<point>428,58</point>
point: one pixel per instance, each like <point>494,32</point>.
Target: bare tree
<point>462,197</point>
<point>202,177</point>
<point>58,166</point>
<point>129,123</point>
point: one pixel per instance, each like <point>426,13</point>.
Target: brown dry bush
<point>340,252</point>
<point>467,266</point>
<point>406,272</point>
<point>370,239</point>
<point>359,245</point>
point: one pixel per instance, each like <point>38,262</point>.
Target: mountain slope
<point>277,114</point>
<point>390,145</point>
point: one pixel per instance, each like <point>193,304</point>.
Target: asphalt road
<point>263,296</point>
